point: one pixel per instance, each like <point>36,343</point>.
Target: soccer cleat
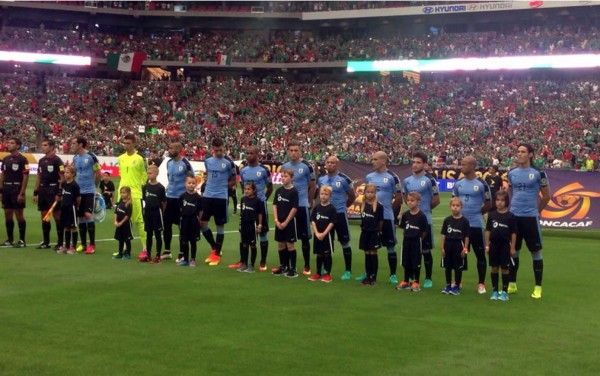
<point>292,273</point>
<point>7,243</point>
<point>184,263</point>
<point>71,251</point>
<point>428,284</point>
<point>249,269</point>
<point>155,260</point>
<point>367,282</point>
<point>403,286</point>
<point>117,256</point>
<point>215,260</point>
<point>210,256</point>
<point>57,247</point>
<point>447,290</point>
<point>512,287</point>
<point>415,287</point>
<point>314,277</point>
<point>481,288</point>
<point>495,295</point>
<point>393,279</point>
<point>179,260</point>
<point>79,248</point>
<point>242,268</point>
<point>62,250</point>
<point>166,255</point>
<point>306,270</point>
<point>143,257</point>
<point>193,264</point>
<point>282,270</point>
<point>43,245</point>
<point>262,267</point>
<point>455,290</point>
<point>237,265</point>
<point>90,250</point>
<point>20,244</point>
<point>126,256</point>
<point>361,277</point>
<point>503,296</point>
<point>347,275</point>
<point>326,278</point>
<point>537,292</point>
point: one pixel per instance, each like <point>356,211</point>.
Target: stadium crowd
<point>303,46</point>
<point>449,119</point>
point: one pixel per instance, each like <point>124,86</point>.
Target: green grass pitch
<point>91,315</point>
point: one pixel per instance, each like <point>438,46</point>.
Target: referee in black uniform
<point>13,184</point>
<point>47,187</point>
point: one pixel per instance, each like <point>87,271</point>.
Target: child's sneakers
<point>404,285</point>
<point>71,251</point>
<point>495,295</point>
<point>314,277</point>
<point>447,290</point>
<point>326,278</point>
<point>415,287</point>
<point>503,296</point>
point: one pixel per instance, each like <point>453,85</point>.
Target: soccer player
<point>261,177</point>
<point>342,197</point>
<point>133,173</point>
<point>389,194</point>
<point>415,226</point>
<point>47,191</point>
<point>500,240</point>
<point>525,184</point>
<point>220,177</point>
<point>477,200</point>
<point>426,185</point>
<point>88,177</point>
<point>13,185</point>
<point>178,169</point>
<point>494,181</point>
<point>304,181</point>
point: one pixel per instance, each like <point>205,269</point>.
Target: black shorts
<point>47,197</point>
<point>428,242</point>
<point>248,232</point>
<point>214,207</point>
<point>68,216</point>
<point>528,229</point>
<point>325,246</point>
<point>10,196</point>
<point>189,229</point>
<point>342,228</point>
<point>388,233</point>
<point>369,240</point>
<point>288,234</point>
<point>411,253</point>
<point>125,232</point>
<point>500,255</point>
<point>172,212</point>
<point>153,220</point>
<point>303,223</point>
<point>453,258</point>
<point>87,204</point>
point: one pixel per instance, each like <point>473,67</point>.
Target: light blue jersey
<point>218,171</point>
<point>388,184</point>
<point>340,184</point>
<point>426,186</point>
<point>303,175</point>
<point>473,194</point>
<point>260,176</point>
<point>177,172</point>
<point>526,184</point>
<point>86,165</point>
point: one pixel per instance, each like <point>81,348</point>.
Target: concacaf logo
<point>571,201</point>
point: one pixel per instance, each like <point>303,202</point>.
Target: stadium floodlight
<point>28,57</point>
<point>475,63</point>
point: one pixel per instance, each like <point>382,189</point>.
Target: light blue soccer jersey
<point>303,175</point>
<point>177,172</point>
<point>426,186</point>
<point>473,194</point>
<point>340,184</point>
<point>218,171</point>
<point>86,166</point>
<point>526,184</point>
<point>388,184</point>
<point>261,177</point>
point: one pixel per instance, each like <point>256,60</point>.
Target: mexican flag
<point>191,60</point>
<point>223,59</point>
<point>131,62</point>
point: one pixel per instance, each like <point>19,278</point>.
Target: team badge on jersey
<point>258,174</point>
<point>15,167</point>
<point>50,168</point>
<point>422,183</point>
<point>385,180</point>
<point>338,184</point>
<point>530,176</point>
<point>223,165</point>
<point>476,188</point>
<point>180,168</point>
<point>300,170</point>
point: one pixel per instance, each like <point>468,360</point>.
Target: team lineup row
<point>74,188</point>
